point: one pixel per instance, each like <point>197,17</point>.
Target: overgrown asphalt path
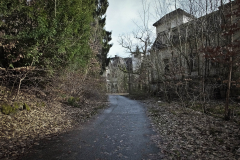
<point>122,131</point>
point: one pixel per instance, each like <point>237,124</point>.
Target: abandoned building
<point>178,51</point>
<point>117,74</point>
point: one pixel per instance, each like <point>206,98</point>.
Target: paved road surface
<point>121,132</point>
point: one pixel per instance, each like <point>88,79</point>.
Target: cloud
<point>120,16</point>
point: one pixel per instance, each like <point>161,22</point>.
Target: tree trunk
<point>227,110</point>
<point>129,82</point>
<point>204,95</point>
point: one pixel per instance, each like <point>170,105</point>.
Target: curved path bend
<point>122,131</point>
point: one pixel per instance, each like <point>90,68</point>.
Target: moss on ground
<point>8,109</point>
<point>73,101</point>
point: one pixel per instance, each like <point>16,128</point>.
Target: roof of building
<point>171,14</point>
<point>124,62</point>
<point>211,18</point>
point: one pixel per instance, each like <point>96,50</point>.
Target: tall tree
<point>138,44</point>
<point>45,34</point>
<point>100,14</point>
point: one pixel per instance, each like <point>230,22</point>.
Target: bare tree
<point>138,44</point>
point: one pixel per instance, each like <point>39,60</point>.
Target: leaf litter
<point>187,134</point>
<point>24,129</point>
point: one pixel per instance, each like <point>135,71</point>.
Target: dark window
<point>166,64</point>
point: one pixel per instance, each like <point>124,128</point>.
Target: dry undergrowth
<point>21,130</point>
<point>187,134</point>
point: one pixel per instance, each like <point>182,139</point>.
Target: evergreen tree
<point>101,8</point>
<point>46,34</point>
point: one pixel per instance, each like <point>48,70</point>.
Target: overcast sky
<point>120,17</point>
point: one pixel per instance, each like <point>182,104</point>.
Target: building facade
<point>183,42</point>
<point>117,74</point>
